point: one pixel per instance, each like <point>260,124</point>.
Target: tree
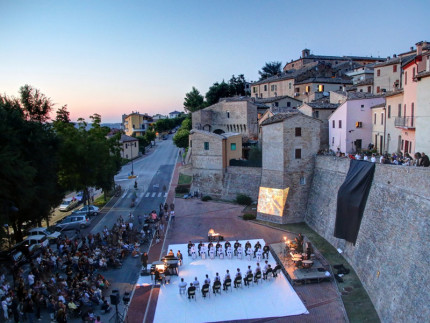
<point>237,85</point>
<point>180,139</point>
<point>150,136</point>
<point>36,106</point>
<point>270,69</point>
<point>193,100</point>
<point>216,92</point>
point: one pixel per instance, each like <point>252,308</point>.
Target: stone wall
<point>391,255</point>
<point>241,180</point>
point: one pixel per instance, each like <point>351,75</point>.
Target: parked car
<point>68,204</point>
<point>12,256</point>
<point>50,234</point>
<point>87,209</point>
<point>73,222</point>
<point>32,245</point>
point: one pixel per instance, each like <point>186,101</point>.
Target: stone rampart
<point>241,180</point>
<point>392,254</point>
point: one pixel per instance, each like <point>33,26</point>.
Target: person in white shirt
<point>212,252</point>
<point>207,280</point>
<point>259,254</point>
<point>182,286</point>
<point>193,251</point>
<point>248,254</point>
<point>227,276</point>
<point>357,156</point>
<point>258,268</point>
<point>239,252</point>
<point>217,277</point>
<point>373,159</point>
<point>196,283</point>
<point>366,158</point>
<point>229,252</point>
<point>30,279</point>
<point>203,251</point>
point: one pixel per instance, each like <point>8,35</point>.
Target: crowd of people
<point>67,280</point>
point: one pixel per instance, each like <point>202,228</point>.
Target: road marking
<point>124,194</point>
<point>159,194</point>
<point>147,194</point>
<point>153,194</point>
<point>165,194</point>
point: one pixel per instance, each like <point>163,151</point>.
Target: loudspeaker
<point>114,297</point>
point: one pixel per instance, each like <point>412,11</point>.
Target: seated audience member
<point>207,280</point>
<point>258,268</point>
<point>239,252</point>
<point>226,277</point>
<point>205,289</point>
<point>182,286</point>
<point>217,277</point>
<point>216,285</point>
<point>266,250</point>
<point>196,283</point>
<point>237,278</point>
<point>247,246</point>
<point>276,270</point>
<point>191,290</point>
<point>189,248</point>
<point>236,245</point>
<point>267,272</point>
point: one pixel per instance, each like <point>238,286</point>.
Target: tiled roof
<point>280,117</point>
<point>359,95</point>
<point>125,138</point>
<point>291,74</point>
<point>364,82</point>
<point>380,105</point>
<point>323,105</point>
<point>273,99</point>
<point>408,59</point>
<point>211,134</point>
<point>335,80</point>
<point>422,74</point>
<point>392,93</point>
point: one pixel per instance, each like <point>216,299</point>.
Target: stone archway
<point>207,127</point>
<point>219,131</point>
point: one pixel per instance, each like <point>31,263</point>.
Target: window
<point>378,89</point>
<point>332,140</point>
<point>406,78</point>
<point>340,124</point>
<point>374,118</point>
<point>369,89</point>
<point>413,72</point>
<point>333,124</point>
<point>412,114</point>
<point>389,112</point>
<point>265,87</point>
<point>288,104</point>
<point>289,85</point>
<point>316,114</point>
<point>321,88</point>
<point>298,132</point>
<point>273,87</point>
<point>228,114</point>
<point>394,68</point>
<point>302,180</point>
<point>404,110</point>
<point>276,104</point>
<point>382,118</point>
<point>378,73</point>
<point>254,89</point>
<point>233,146</point>
<point>362,107</point>
<point>206,145</point>
<point>297,89</point>
<point>191,143</point>
<point>399,112</point>
<point>298,154</point>
<point>308,88</point>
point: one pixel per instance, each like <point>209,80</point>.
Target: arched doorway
<point>219,131</point>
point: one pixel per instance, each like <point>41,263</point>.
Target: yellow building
<point>136,123</point>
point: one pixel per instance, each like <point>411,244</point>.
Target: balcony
<point>405,122</point>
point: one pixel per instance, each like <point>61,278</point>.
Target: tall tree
<point>270,69</point>
<point>237,85</point>
<point>193,100</point>
<point>216,92</point>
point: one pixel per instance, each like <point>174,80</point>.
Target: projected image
<point>272,200</point>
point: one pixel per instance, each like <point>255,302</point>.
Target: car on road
<point>68,204</point>
<point>12,256</point>
<point>73,222</point>
<point>31,246</point>
<point>87,209</point>
<point>50,234</point>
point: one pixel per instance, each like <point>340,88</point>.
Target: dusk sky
<point>115,57</point>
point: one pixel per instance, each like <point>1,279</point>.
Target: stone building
<point>238,116</point>
<point>129,147</point>
<point>290,143</point>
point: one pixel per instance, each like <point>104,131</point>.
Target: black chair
<point>238,282</point>
<point>268,273</point>
<point>257,277</point>
<point>227,284</point>
<point>249,279</point>
<point>192,294</point>
<point>276,271</point>
<point>217,287</point>
<point>205,290</point>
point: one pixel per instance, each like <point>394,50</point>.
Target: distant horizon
<point>112,58</point>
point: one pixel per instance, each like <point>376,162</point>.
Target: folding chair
<point>206,290</point>
<point>249,279</point>
<point>192,294</point>
<point>217,287</point>
<point>257,277</point>
<point>238,282</point>
<point>227,284</point>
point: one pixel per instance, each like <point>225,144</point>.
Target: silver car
<point>73,222</point>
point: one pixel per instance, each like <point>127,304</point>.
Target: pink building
<point>350,126</point>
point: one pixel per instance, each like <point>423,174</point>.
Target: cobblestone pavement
<point>194,218</point>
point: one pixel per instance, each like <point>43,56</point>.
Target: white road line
<point>165,194</point>
<point>124,195</point>
<point>159,194</point>
<point>153,194</point>
<point>147,194</point>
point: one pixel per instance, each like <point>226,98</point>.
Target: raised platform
<point>319,271</point>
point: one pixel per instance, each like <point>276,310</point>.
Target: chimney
<point>419,48</point>
<point>306,52</point>
<point>394,55</point>
<point>412,48</point>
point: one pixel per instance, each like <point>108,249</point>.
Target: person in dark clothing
<point>425,162</point>
<point>191,290</point>
<point>144,260</point>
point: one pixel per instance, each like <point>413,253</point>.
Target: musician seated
<point>276,270</point>
<point>191,290</point>
<point>171,254</point>
<point>266,250</point>
<point>226,278</point>
<point>189,248</point>
<point>182,286</point>
<point>267,272</point>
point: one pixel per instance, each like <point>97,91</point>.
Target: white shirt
<point>357,156</point>
<point>182,285</point>
<point>373,159</point>
<point>365,157</point>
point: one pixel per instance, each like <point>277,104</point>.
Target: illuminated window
<point>233,146</point>
<point>308,88</point>
<point>298,132</point>
<point>206,145</point>
<point>321,88</point>
<point>298,154</point>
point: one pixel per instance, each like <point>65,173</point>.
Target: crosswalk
<point>155,194</point>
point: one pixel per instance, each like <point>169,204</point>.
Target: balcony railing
<point>405,122</point>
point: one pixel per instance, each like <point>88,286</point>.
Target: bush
<point>182,189</point>
<point>206,198</point>
<point>249,216</point>
<point>243,199</point>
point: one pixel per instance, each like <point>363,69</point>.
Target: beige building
<point>238,116</point>
<point>378,127</point>
<point>136,123</point>
<point>422,140</point>
<point>322,110</point>
<point>393,135</point>
<point>129,147</point>
<point>387,75</point>
<point>307,89</point>
<point>290,143</point>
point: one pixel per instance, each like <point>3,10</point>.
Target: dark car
<point>12,257</point>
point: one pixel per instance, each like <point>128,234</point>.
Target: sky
<point>115,57</point>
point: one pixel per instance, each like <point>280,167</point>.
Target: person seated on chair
<point>229,252</point>
<point>256,247</point>
<point>199,246</point>
<point>212,252</point>
<point>210,245</point>
<point>258,268</point>
<point>216,285</point>
<point>203,250</point>
<point>226,276</point>
<point>219,251</point>
<point>237,278</point>
<point>170,254</point>
<point>179,256</point>
<point>217,278</point>
<point>236,245</point>
<point>106,307</point>
<point>217,248</point>
<point>248,253</point>
<point>196,283</point>
<point>205,289</point>
<point>189,248</point>
<point>269,270</point>
<point>247,246</point>
<point>259,253</point>
<point>276,270</point>
<point>191,290</point>
<point>227,244</point>
<point>266,250</point>
<point>193,250</point>
<point>239,251</point>
<point>207,280</point>
<point>182,286</point>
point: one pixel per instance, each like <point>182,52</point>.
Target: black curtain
<point>352,198</point>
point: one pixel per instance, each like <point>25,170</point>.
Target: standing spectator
<point>144,260</point>
<point>172,206</point>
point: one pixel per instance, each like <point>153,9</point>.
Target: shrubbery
<point>206,198</point>
<point>182,189</point>
<point>243,199</point>
<point>249,216</point>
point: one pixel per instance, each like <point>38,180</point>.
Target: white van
<point>51,235</point>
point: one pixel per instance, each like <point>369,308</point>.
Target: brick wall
<point>391,255</point>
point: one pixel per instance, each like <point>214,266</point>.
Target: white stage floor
<point>271,298</point>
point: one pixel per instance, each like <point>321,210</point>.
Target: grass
<point>184,179</point>
<point>358,305</point>
<point>100,201</point>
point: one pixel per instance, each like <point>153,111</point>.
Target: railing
<point>405,122</point>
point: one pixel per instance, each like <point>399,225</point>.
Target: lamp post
<point>132,168</point>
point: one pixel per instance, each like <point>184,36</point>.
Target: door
<point>381,142</point>
<point>358,145</point>
<point>406,146</point>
